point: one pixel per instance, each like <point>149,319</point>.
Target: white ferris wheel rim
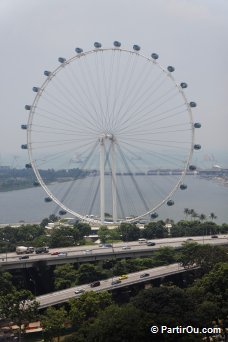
<point>33,111</point>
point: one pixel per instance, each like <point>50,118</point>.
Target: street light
<point>5,240</point>
<point>34,284</point>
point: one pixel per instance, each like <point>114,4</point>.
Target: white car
<point>126,247</point>
<point>77,291</point>
<point>88,251</point>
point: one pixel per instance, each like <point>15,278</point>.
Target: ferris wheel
<point>110,134</point>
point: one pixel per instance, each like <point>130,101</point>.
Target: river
<point>204,196</point>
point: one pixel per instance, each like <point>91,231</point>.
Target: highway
<point>93,253</point>
<point>106,285</point>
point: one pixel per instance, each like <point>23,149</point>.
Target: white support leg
<point>114,208</point>
<point>102,199</point>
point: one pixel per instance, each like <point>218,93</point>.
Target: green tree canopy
<point>129,232</point>
<point>54,322</point>
<point>19,307</point>
<point>65,276</point>
<point>88,305</point>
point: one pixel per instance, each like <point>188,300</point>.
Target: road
<point>85,252</point>
<point>106,285</point>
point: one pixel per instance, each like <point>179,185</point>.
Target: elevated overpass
<point>63,296</point>
<point>84,254</point>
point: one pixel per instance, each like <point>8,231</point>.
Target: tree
<point>186,212</point>
<point>19,307</point>
<point>88,273</point>
<point>83,228</point>
<point>88,305</point>
<point>203,256</point>
<point>165,304</point>
<point>202,217</point>
<point>213,216</point>
<point>103,233</point>
<point>129,232</point>
<point>54,322</point>
<point>6,285</point>
<point>155,230</point>
<point>65,276</point>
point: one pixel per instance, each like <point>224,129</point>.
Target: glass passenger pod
<point>192,167</point>
<point>28,166</point>
<point>47,199</point>
<point>192,104</point>
<point>154,215</point>
<point>61,60</point>
<point>24,147</point>
<point>136,47</point>
<point>28,107</point>
<point>197,147</point>
<point>36,183</point>
<point>116,43</point>
<point>197,125</point>
<point>62,212</point>
<point>24,126</point>
<point>47,73</point>
<point>35,89</point>
<point>97,45</point>
<point>78,50</point>
<point>170,68</point>
<point>154,56</point>
<point>183,85</point>
<point>183,186</point>
<point>170,203</point>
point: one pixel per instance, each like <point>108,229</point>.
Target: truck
<point>24,250</point>
<point>40,250</point>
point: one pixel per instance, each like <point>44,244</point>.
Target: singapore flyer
<point>115,130</point>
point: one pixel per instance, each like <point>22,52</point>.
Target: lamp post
<point>6,240</point>
<point>34,284</point>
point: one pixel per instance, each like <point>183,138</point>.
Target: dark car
<point>144,275</point>
<point>24,257</point>
<point>115,282</point>
<point>214,236</point>
<point>95,283</point>
<point>150,243</point>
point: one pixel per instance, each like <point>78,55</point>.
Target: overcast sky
<point>188,34</point>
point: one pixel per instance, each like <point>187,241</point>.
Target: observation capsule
<point>61,60</point>
<point>47,199</point>
<point>78,50</point>
<point>192,167</point>
<point>183,186</point>
<point>197,147</point>
<point>154,56</point>
<point>170,203</point>
<point>28,107</point>
<point>116,43</point>
<point>24,126</point>
<point>28,166</point>
<point>170,68</point>
<point>192,104</point>
<point>136,47</point>
<point>35,89</point>
<point>154,215</point>
<point>62,212</point>
<point>24,147</point>
<point>197,125</point>
<point>97,45</point>
<point>183,85</point>
<point>35,183</point>
<point>47,73</point>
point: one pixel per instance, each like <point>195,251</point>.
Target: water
<point>204,196</point>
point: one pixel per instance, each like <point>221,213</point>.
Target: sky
<point>188,34</point>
